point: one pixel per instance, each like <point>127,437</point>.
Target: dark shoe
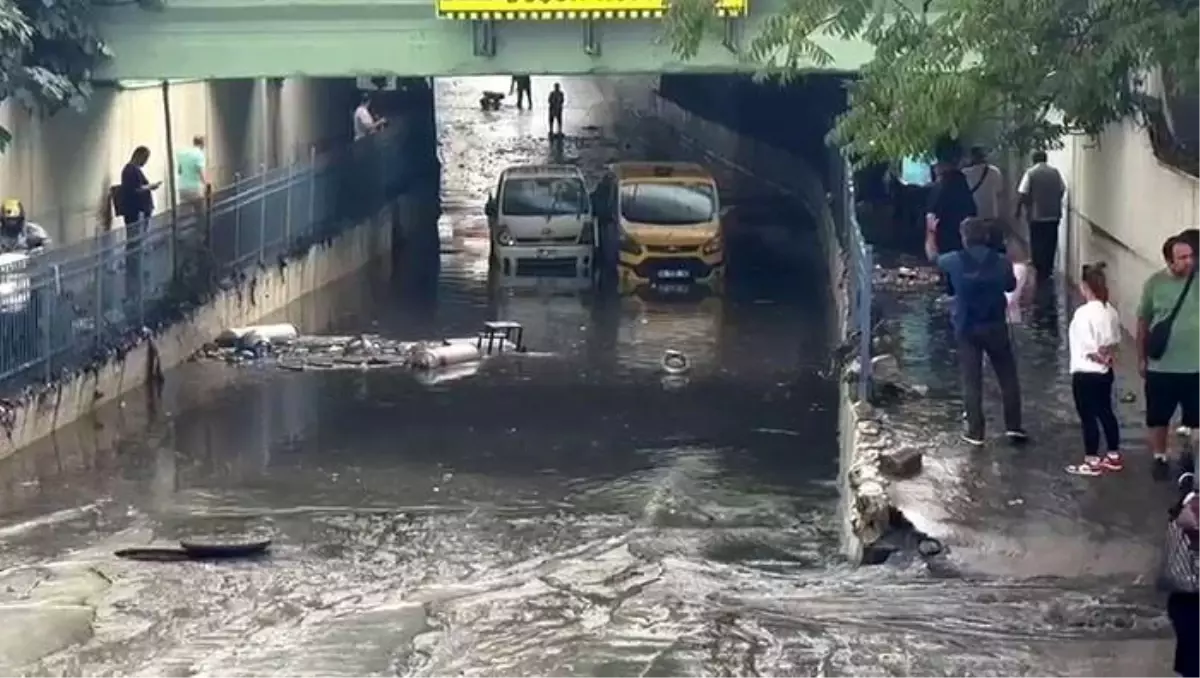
<point>1017,436</point>
<point>1161,470</point>
<point>972,440</point>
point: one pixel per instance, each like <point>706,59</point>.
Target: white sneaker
<point>971,440</point>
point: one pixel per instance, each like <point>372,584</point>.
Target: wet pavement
<point>1013,512</point>
<point>566,514</point>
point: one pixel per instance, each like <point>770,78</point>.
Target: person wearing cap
<point>18,233</point>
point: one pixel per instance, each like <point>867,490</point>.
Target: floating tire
<point>930,547</point>
<point>675,363</point>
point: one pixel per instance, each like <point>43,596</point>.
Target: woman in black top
<point>137,193</point>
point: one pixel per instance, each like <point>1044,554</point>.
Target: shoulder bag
<point>982,177</point>
<point>1178,571</point>
<point>1160,332</point>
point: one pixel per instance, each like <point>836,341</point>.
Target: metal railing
<point>784,172</point>
<point>860,269</point>
<point>70,307</point>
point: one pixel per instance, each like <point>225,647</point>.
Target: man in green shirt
<point>191,178</point>
<point>1173,380</point>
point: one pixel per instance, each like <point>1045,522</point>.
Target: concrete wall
<point>61,167</point>
<point>265,292</point>
<point>1122,203</point>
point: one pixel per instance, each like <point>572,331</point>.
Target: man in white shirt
<point>364,121</point>
<point>986,182</point>
<point>1040,197</point>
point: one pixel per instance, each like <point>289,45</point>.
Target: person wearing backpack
<point>986,183</point>
<point>980,277</point>
<point>1168,344</point>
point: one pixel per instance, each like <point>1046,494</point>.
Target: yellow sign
<point>560,10</point>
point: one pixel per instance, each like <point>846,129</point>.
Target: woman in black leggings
<point>1093,336</point>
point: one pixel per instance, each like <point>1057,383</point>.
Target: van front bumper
<point>544,259</point>
<point>672,270</point>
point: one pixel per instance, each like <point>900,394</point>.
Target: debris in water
<point>675,362</point>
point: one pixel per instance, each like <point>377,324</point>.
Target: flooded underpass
<point>574,511</point>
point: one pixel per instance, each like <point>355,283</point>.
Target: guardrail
<point>860,268</point>
<point>783,172</point>
<point>64,308</point>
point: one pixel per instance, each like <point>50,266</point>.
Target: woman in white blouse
<point>1093,337</point>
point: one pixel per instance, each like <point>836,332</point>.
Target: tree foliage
<point>1023,72</point>
<point>49,51</point>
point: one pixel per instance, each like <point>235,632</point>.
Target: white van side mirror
<point>490,208</point>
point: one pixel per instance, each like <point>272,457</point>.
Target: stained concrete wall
<point>61,167</point>
<point>264,292</point>
<point>1122,203</point>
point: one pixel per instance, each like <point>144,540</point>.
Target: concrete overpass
<point>218,39</point>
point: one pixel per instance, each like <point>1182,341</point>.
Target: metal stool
<point>502,330</point>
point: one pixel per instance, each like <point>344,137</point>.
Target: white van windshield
<point>543,196</point>
<point>663,204</point>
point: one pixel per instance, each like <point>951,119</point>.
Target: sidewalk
<point>1014,512</point>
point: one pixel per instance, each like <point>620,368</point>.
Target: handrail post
<point>312,190</point>
<point>237,220</point>
<point>262,214</point>
<point>287,207</point>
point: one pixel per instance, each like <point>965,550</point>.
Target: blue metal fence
<point>860,268</point>
<point>66,307</point>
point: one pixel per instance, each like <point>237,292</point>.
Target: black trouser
<point>1043,246</point>
<point>524,94</point>
<point>137,225</point>
<point>1184,611</point>
<point>1094,404</point>
<point>992,340</point>
<point>556,116</point>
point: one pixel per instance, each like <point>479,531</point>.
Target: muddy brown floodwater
<point>570,514</point>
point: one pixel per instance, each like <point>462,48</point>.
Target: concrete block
<point>901,462</point>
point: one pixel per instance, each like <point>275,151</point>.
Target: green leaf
<point>979,68</point>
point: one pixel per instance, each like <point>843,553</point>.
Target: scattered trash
<point>243,336</point>
<point>283,347</point>
<point>433,357</point>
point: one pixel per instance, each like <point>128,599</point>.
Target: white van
<point>540,221</point>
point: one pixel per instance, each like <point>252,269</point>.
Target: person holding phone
<point>135,204</point>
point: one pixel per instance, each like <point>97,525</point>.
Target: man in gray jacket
<point>1039,197</point>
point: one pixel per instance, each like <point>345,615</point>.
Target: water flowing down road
<point>569,512</point>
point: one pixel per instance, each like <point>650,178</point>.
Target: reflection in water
<point>572,514</point>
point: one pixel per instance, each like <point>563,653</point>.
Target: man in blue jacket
<point>980,276</point>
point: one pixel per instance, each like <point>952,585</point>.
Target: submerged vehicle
<point>540,221</point>
<point>661,224</point>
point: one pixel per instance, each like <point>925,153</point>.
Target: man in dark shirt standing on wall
<point>980,276</point>
<point>556,109</point>
<point>950,202</point>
